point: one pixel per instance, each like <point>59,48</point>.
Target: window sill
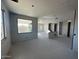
<point>4,38</point>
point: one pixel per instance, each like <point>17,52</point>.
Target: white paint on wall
<point>75,40</point>
<point>65,27</point>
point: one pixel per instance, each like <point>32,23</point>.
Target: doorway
<point>50,27</point>
<point>55,28</point>
<point>68,31</point>
<point>60,28</point>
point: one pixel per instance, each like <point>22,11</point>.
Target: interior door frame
<point>55,27</point>
<point>73,29</point>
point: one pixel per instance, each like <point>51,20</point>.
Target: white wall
<point>64,31</point>
<point>75,40</point>
<point>5,43</point>
<point>65,27</point>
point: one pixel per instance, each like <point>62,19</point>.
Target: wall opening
<point>55,27</point>
<point>68,31</point>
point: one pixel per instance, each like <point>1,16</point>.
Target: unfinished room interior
<point>39,29</point>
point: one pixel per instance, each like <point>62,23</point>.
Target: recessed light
<point>32,5</point>
<point>56,18</point>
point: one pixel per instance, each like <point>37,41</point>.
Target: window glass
<point>24,26</point>
<point>2,24</point>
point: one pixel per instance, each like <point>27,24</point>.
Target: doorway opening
<point>60,28</point>
<point>55,28</point>
<point>68,31</point>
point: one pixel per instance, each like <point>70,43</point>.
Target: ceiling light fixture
<point>56,18</point>
<point>32,5</point>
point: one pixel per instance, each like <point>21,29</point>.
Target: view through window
<point>24,26</point>
<point>2,24</point>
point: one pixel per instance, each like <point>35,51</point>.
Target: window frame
<point>3,23</point>
<point>24,32</point>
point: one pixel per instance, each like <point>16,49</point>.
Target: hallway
<point>41,49</point>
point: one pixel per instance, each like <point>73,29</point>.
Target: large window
<point>2,24</point>
<point>24,26</point>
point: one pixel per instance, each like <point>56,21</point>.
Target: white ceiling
<point>42,7</point>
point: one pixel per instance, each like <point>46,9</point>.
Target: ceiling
<point>42,7</point>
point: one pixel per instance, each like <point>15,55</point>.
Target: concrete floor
<point>42,49</point>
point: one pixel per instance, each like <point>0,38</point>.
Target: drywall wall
<point>15,36</point>
<point>65,27</point>
<point>75,40</point>
<point>5,43</point>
